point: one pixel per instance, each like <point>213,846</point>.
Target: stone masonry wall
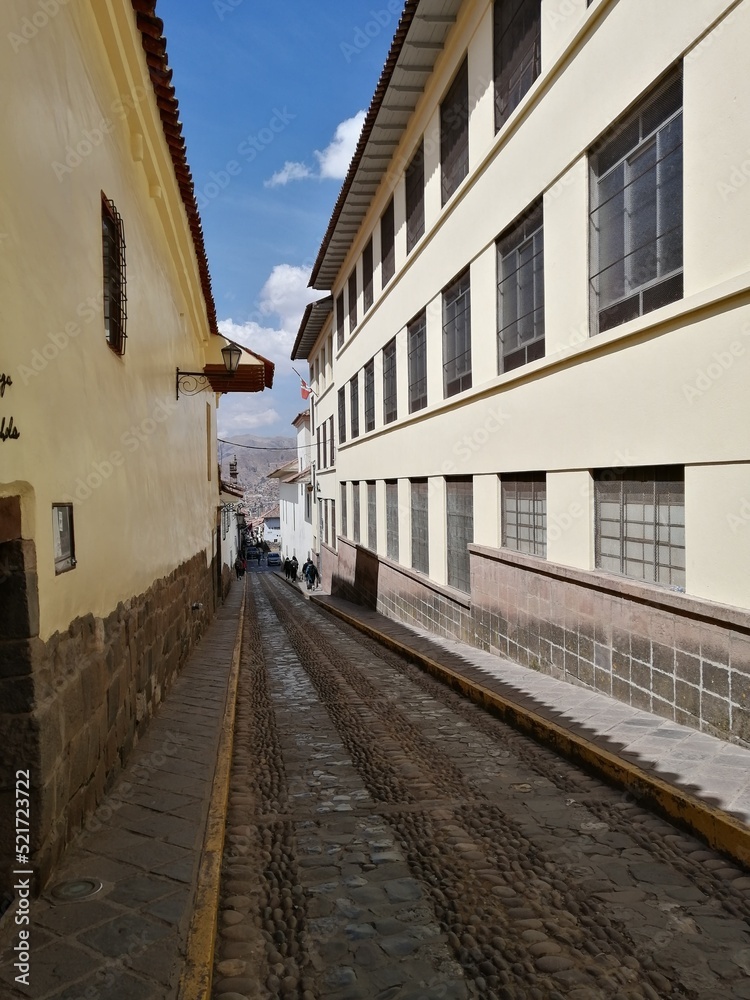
<point>95,686</point>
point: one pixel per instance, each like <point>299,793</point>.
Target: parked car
<point>273,559</point>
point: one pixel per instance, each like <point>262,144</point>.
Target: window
<point>344,512</point>
<point>416,345</point>
<point>457,336</point>
<point>454,133</point>
<point>420,538</point>
<point>352,293</point>
<point>308,504</point>
<point>333,523</point>
<point>367,269</point>
<point>459,495</point>
<point>354,405</point>
<point>640,523</point>
<point>636,211</point>
<point>372,518</point>
<point>332,439</point>
<point>324,426</point>
<point>113,259</point>
<point>325,522</point>
<point>370,396</point>
<point>517,53</point>
<point>520,266</point>
<point>318,443</point>
<point>523,503</point>
<point>390,407</point>
<point>415,199</point>
<point>340,320</point>
<point>387,245</point>
<point>391,519</point>
<point>355,511</point>
<point>62,537</point>
<point>342,415</point>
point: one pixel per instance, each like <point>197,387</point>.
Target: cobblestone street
<point>387,840</point>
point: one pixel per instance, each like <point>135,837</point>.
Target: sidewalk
<point>153,920</point>
<point>697,780</point>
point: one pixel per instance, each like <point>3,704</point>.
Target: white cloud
<point>237,415</point>
<point>333,161</point>
<point>289,172</point>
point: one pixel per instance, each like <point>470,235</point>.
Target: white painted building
<point>295,496</point>
<point>531,362</point>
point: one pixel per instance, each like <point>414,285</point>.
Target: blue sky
<point>272,96</point>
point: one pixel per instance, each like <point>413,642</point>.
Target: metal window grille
<point>354,405</point>
<point>333,523</point>
<point>63,537</point>
<point>391,519</point>
<point>367,271</point>
<point>372,514</point>
<point>636,211</point>
<point>332,440</point>
<point>416,340</point>
<point>387,245</point>
<point>415,199</point>
<point>342,415</point>
<point>640,523</point>
<point>344,512</point>
<point>352,293</point>
<point>355,512</point>
<point>520,265</point>
<point>518,60</point>
<point>390,402</point>
<point>324,426</point>
<point>420,539</point>
<point>370,396</point>
<point>457,336</point>
<point>114,290</point>
<point>318,442</point>
<point>454,133</point>
<point>325,521</point>
<point>459,496</point>
<point>523,505</point>
<point>340,320</point>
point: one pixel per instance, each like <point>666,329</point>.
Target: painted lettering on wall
<point>8,429</point>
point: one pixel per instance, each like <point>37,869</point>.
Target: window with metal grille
<point>387,245</point>
<point>352,293</point>
<point>457,336</point>
<point>332,440</point>
<point>420,538</point>
<point>355,512</point>
<point>640,523</point>
<point>454,133</point>
<point>113,261</point>
<point>520,268</point>
<point>518,62</point>
<point>415,199</point>
<point>63,537</point>
<point>344,512</point>
<point>342,415</point>
<point>416,345</point>
<point>354,405</point>
<point>372,515</point>
<point>324,427</point>
<point>391,519</point>
<point>367,270</point>
<point>318,447</point>
<point>459,509</point>
<point>523,505</point>
<point>333,523</point>
<point>325,521</point>
<point>636,210</point>
<point>390,405</point>
<point>340,320</point>
<point>370,396</point>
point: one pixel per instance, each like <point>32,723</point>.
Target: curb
<point>721,830</point>
<point>195,981</point>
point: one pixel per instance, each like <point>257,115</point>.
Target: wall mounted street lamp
<point>192,382</point>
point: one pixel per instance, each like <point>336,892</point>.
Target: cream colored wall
<point>101,429</point>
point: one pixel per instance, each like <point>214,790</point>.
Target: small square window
<point>62,537</point>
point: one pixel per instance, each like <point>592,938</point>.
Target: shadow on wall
<point>356,577</point>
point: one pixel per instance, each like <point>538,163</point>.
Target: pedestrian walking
<point>295,566</point>
<point>239,566</point>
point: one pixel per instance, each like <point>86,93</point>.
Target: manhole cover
<point>75,889</point>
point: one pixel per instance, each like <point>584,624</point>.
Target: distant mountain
<point>260,456</point>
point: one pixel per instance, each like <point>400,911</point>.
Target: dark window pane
<point>457,336</point>
<point>390,408</point>
<point>521,291</point>
<point>459,495</point>
<point>352,293</point>
<point>113,268</point>
<point>342,415</point>
<point>417,350</point>
<point>372,518</point>
<point>454,133</point>
<point>415,199</point>
<point>420,540</point>
<point>517,53</point>
<point>354,405</point>
<point>391,518</point>
<point>340,320</point>
<point>370,396</point>
<point>524,512</point>
<point>387,245</point>
<point>367,269</point>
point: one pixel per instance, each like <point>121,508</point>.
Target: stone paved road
<point>386,840</point>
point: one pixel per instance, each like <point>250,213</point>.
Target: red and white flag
<point>304,389</point>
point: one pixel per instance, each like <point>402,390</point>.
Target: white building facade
<point>531,364</point>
